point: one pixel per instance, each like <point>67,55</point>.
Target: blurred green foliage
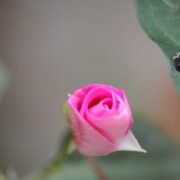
<point>160,19</point>
<point>4,77</point>
<point>161,162</point>
<point>2,177</point>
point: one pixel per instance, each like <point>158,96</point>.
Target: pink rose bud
<point>101,120</point>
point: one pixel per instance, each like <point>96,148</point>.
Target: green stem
<point>64,151</point>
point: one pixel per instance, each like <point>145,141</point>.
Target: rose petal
<point>88,140</point>
<point>112,127</point>
<point>130,143</point>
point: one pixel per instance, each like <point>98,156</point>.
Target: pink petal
<point>113,127</point>
<point>87,139</point>
<point>130,143</point>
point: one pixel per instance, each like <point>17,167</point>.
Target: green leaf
<point>160,19</point>
<point>65,110</point>
<point>161,162</point>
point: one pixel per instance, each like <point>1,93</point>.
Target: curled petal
<point>130,143</point>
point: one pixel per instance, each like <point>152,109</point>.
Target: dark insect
<point>177,62</point>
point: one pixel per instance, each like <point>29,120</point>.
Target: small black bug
<point>176,62</point>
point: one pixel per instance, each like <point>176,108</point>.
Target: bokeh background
<point>51,48</point>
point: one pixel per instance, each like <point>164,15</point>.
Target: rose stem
<point>62,154</point>
<point>96,168</point>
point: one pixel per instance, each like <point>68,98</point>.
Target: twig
<point>96,168</point>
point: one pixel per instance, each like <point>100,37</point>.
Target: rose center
<point>107,103</point>
<point>100,107</point>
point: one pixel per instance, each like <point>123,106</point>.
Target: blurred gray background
<point>53,47</point>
